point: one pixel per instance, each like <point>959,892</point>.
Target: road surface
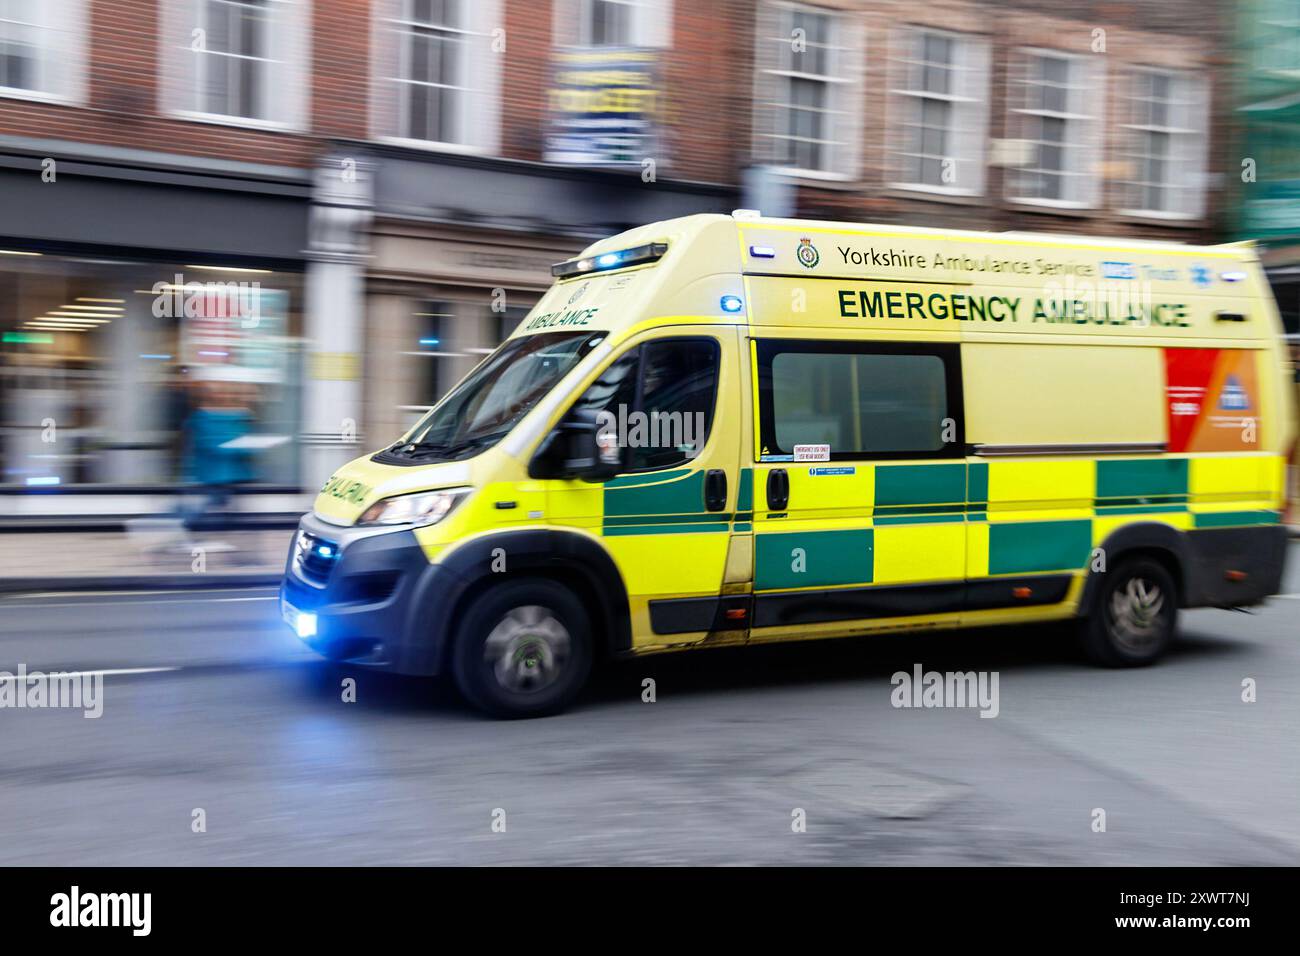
<point>211,705</point>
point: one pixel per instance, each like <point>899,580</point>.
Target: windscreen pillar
<point>334,323</point>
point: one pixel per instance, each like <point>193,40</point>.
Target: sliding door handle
<point>715,489</point>
<point>778,489</point>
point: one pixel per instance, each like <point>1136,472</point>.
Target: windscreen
<point>490,400</point>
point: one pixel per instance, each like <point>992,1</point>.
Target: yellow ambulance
<point>723,430</point>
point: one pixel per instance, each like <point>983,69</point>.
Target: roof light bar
<point>603,262</point>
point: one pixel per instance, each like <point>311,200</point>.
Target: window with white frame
<point>607,22</point>
<point>1056,106</point>
<point>434,77</point>
<point>42,49</point>
<point>238,61</point>
<point>807,83</point>
<point>613,23</point>
<point>1165,143</point>
<point>439,74</point>
<point>940,98</point>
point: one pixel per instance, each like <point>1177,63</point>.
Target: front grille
<point>369,588</point>
<point>316,557</point>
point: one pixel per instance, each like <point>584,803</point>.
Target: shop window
<point>508,321</point>
<point>112,358</point>
<point>434,378</point>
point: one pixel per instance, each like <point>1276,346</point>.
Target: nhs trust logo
<point>1118,270</point>
<point>1234,398</point>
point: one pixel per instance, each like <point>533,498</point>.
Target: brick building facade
<point>386,164</point>
<point>709,80</point>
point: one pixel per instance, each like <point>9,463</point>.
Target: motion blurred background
<point>320,214</point>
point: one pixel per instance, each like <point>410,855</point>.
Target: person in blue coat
<point>210,461</point>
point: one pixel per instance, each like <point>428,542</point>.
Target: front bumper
<point>378,601</point>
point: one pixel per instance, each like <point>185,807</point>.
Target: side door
<point>670,409</point>
<point>860,490</point>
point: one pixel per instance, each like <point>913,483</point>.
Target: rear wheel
<point>1134,616</point>
<point>523,649</point>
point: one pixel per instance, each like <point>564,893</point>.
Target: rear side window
<point>863,400</point>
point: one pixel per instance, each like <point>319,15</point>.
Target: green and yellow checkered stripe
<point>890,523</point>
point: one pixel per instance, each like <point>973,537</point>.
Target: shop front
<point>437,301</point>
<point>129,298</point>
<point>105,359</point>
<point>460,249</point>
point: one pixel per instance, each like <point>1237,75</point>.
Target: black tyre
<point>523,649</point>
<point>1134,616</point>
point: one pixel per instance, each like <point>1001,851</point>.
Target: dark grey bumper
<point>1235,567</point>
<point>378,601</point>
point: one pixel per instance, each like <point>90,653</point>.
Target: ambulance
<point>728,430</point>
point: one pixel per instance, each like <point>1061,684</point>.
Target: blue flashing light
<point>305,625</point>
<point>43,480</point>
<point>433,343</point>
<point>620,259</point>
<point>762,252</point>
<point>732,303</point>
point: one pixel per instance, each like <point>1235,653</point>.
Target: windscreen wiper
<point>475,442</point>
<point>447,449</point>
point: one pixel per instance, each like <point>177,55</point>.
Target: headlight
<point>425,508</point>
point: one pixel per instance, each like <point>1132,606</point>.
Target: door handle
<point>715,489</point>
<point>778,489</point>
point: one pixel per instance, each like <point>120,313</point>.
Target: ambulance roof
<point>749,223</point>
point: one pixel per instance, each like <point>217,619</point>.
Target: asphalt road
<point>251,728</point>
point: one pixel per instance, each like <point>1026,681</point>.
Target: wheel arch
<point>1162,542</point>
<point>573,560</point>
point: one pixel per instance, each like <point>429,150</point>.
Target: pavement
<point>153,553</point>
<point>210,705</point>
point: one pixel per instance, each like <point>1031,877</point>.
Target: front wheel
<point>523,649</point>
<point>1134,616</point>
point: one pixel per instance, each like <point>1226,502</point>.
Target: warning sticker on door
<point>812,452</point>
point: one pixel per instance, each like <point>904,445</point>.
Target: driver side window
<point>657,403</point>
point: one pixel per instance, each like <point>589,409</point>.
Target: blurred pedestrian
<point>214,456</point>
